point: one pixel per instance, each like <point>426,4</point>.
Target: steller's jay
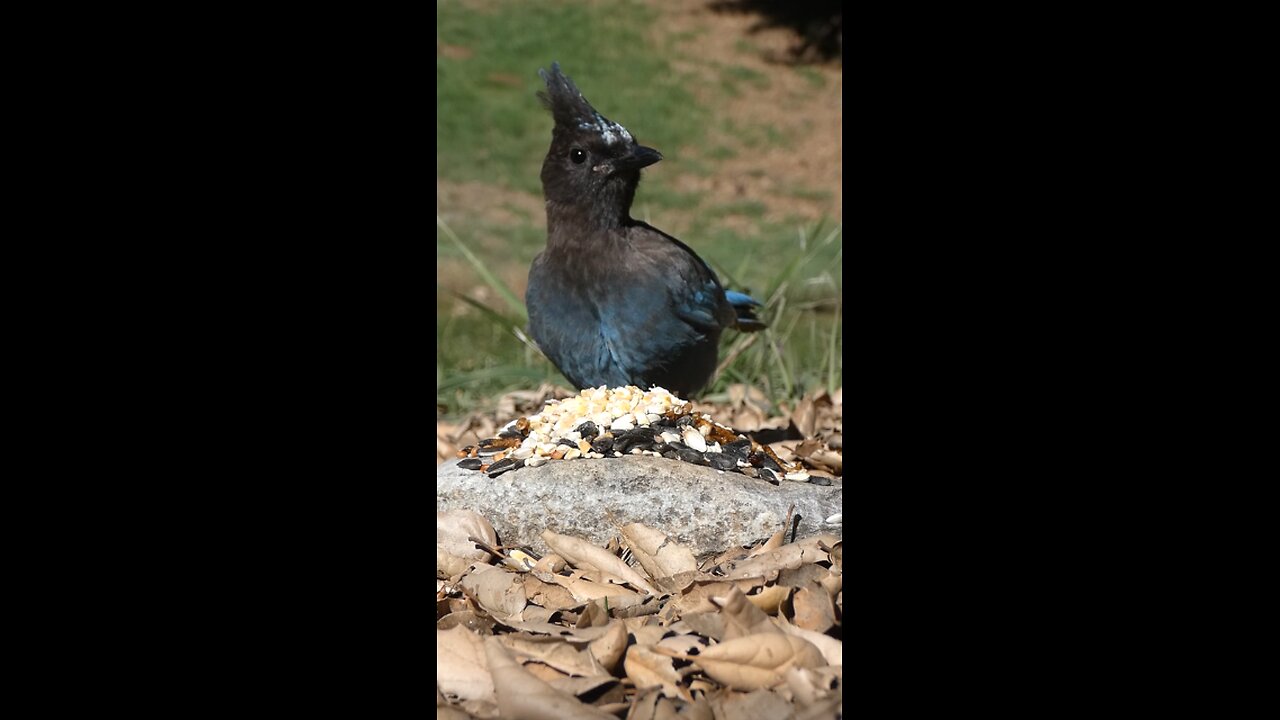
<point>612,300</point>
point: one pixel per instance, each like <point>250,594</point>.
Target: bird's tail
<point>744,306</point>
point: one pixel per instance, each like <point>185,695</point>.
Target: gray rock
<point>700,507</point>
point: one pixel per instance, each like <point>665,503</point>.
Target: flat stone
<point>702,508</point>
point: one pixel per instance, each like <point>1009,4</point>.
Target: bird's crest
<point>573,113</point>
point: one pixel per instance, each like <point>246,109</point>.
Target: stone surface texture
<point>704,509</point>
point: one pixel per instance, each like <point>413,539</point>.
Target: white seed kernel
<point>694,439</point>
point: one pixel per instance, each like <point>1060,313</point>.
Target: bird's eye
<point>577,155</point>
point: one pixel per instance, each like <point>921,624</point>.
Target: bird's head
<point>594,163</point>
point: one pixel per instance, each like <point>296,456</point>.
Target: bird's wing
<point>695,293</point>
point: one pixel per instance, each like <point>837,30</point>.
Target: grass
<point>489,126</point>
<point>491,136</point>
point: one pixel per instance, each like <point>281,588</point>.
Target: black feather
<point>614,301</point>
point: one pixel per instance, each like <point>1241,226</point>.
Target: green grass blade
<point>498,286</point>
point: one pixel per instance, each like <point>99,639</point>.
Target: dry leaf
<point>759,705</point>
<point>649,634</point>
<point>594,614</point>
<point>788,556</point>
<point>832,583</point>
<point>832,649</point>
<point>659,556</point>
<point>608,648</point>
<point>582,685</point>
<point>809,687</point>
<point>446,712</point>
<point>773,543</point>
<point>756,661</point>
<point>813,608</point>
<point>481,624</point>
<point>461,670</point>
<point>549,564</point>
<point>583,590</point>
<point>803,576</point>
<point>499,592</point>
<point>741,618</point>
<point>548,595</point>
<point>681,644</point>
<point>698,599</point>
<point>521,695</point>
<point>770,598</point>
<point>805,417</point>
<point>652,705</point>
<point>647,668</point>
<point>554,652</point>
<point>454,552</point>
<point>709,624</point>
<point>585,555</point>
<point>830,458</point>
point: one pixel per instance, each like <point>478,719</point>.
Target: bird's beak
<point>639,157</point>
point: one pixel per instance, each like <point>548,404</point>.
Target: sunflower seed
<point>694,439</point>
<point>504,465</point>
<point>470,463</point>
<point>739,448</point>
<point>690,455</point>
<point>721,461</point>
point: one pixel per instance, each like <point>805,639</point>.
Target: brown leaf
<point>583,554</point>
<point>741,618</point>
<point>759,705</point>
<point>550,563</point>
<point>681,644</point>
<point>709,624</point>
<point>803,575</point>
<point>481,624</point>
<point>698,598</point>
<point>461,670</point>
<point>454,552</point>
<point>805,417</point>
<point>608,648</point>
<point>756,661</point>
<point>548,595</point>
<point>769,598</point>
<point>652,705</point>
<point>660,557</point>
<point>521,695</point>
<point>583,590</point>
<point>814,610</point>
<point>832,649</point>
<point>554,652</point>
<point>830,458</point>
<point>648,634</point>
<point>500,593</point>
<point>582,685</point>
<point>787,556</point>
<point>647,669</point>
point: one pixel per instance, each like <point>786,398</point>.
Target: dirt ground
<point>810,119</point>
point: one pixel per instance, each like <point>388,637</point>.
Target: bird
<point>611,300</point>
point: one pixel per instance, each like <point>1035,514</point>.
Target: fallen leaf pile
<point>810,433</point>
<point>585,633</point>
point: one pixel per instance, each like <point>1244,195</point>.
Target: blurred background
<point>742,97</point>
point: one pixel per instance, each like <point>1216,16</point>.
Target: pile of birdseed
<point>611,422</point>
